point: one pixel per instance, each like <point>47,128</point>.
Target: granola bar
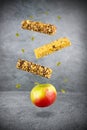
<point>38,27</point>
<point>34,68</point>
<point>52,47</point>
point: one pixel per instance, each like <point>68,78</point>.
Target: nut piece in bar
<point>34,68</point>
<point>38,27</point>
<point>52,47</point>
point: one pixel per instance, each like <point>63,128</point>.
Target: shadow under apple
<point>45,114</point>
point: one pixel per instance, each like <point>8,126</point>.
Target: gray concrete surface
<point>18,113</point>
<point>70,110</point>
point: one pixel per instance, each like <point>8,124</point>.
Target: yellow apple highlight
<point>43,95</point>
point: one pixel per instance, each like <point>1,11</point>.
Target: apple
<point>43,95</point>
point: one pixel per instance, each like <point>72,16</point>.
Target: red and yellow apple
<point>43,95</point>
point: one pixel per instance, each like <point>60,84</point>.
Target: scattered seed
<point>63,91</point>
<point>22,50</point>
<point>65,80</point>
<point>17,34</point>
<point>58,64</point>
<point>32,38</point>
<point>46,12</point>
<point>31,17</point>
<point>59,17</point>
<point>18,85</point>
<point>36,83</point>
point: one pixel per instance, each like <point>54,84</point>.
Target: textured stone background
<point>70,110</point>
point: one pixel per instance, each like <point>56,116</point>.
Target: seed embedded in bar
<point>52,47</point>
<point>39,27</point>
<point>34,68</point>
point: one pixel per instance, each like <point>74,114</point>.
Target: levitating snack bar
<point>33,68</point>
<point>52,47</point>
<point>38,27</point>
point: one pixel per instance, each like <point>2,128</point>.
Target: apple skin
<point>43,95</point>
